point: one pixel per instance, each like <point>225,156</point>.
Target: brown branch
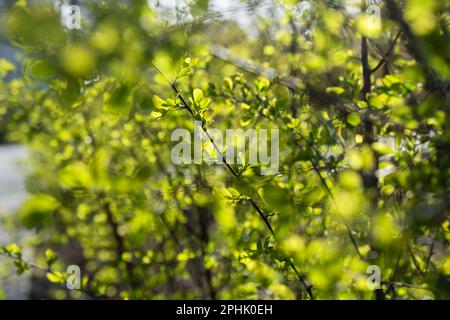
<point>430,253</point>
<point>370,179</point>
<point>367,83</point>
<point>388,53</point>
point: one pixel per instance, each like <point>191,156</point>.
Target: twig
<point>367,83</point>
<point>387,54</point>
<point>415,262</point>
<point>406,285</point>
<point>327,189</point>
<point>42,269</point>
<point>300,276</point>
<point>430,253</point>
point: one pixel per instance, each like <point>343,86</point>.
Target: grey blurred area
<point>12,194</point>
<point>6,50</point>
<point>12,176</point>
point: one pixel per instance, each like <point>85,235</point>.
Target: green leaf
<point>353,119</point>
<point>76,175</point>
<point>119,99</point>
<point>42,69</point>
<point>198,96</point>
<point>335,90</point>
<point>6,67</point>
<point>204,104</point>
<point>233,192</point>
<point>159,103</point>
<point>381,148</point>
<point>50,256</point>
<point>12,250</point>
<point>37,210</point>
<point>55,277</point>
<point>228,83</point>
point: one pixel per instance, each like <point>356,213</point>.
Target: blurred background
<point>358,90</point>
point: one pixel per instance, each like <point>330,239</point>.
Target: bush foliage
<point>364,174</point>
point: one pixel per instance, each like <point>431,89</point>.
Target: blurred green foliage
<point>364,173</point>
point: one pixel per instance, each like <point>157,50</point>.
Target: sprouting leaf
<point>55,277</point>
<point>353,119</point>
<point>381,148</point>
<point>262,84</point>
<point>233,192</point>
<point>198,96</point>
<point>245,106</point>
<point>76,175</point>
<point>50,257</point>
<point>228,83</point>
<point>156,115</point>
<point>204,104</point>
<point>12,250</point>
<point>5,67</point>
<point>335,90</point>
<point>159,103</point>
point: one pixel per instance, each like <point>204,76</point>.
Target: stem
<point>367,83</point>
<point>300,276</point>
<point>387,54</point>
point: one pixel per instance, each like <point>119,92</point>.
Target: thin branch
<point>430,253</point>
<point>396,270</point>
<point>300,276</point>
<point>406,285</point>
<point>43,269</point>
<point>415,262</point>
<point>387,54</point>
<point>367,83</point>
<point>327,189</point>
<point>322,180</point>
